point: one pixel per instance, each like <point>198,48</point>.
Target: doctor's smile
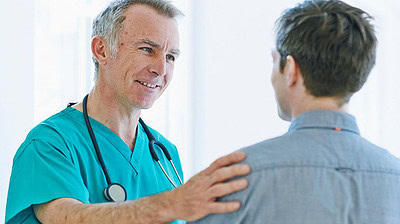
<point>153,86</point>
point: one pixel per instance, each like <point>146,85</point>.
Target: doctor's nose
<point>159,66</point>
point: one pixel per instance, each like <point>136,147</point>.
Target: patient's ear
<point>291,71</point>
<point>99,49</point>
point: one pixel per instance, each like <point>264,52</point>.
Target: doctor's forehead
<point>142,15</point>
<point>146,23</point>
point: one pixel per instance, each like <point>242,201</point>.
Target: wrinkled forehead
<point>142,21</point>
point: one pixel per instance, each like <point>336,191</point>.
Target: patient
<point>321,170</point>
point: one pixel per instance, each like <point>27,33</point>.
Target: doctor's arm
<point>189,202</point>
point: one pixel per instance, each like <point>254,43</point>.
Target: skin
<point>148,45</point>
<point>291,94</point>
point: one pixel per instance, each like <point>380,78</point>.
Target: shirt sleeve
<point>42,172</point>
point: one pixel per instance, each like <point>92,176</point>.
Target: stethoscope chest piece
<point>115,193</point>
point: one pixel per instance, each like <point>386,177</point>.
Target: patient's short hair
<point>333,43</point>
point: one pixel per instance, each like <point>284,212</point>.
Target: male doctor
<point>56,175</point>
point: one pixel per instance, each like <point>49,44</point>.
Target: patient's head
<point>333,43</point>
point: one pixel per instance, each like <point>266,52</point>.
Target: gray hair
<point>108,23</point>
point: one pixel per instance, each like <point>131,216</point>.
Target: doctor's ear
<point>291,70</point>
<point>99,49</point>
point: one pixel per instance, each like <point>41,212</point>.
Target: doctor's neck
<point>106,108</point>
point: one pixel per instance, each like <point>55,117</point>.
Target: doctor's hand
<point>196,198</point>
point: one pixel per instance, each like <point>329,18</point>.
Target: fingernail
<point>243,183</point>
<point>236,205</point>
<point>241,154</point>
<point>245,168</point>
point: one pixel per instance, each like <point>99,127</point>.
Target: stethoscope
<point>115,192</point>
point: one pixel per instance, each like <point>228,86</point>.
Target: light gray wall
<point>233,103</point>
<point>16,84</point>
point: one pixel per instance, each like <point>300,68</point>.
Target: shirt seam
<point>262,168</point>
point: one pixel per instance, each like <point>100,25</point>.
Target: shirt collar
<point>325,119</point>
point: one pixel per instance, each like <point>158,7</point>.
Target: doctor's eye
<point>170,57</point>
<point>147,49</point>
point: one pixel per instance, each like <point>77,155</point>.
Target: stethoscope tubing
<point>94,141</point>
<point>152,143</point>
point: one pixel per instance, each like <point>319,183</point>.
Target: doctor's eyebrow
<point>147,41</point>
<point>176,52</point>
<point>156,45</point>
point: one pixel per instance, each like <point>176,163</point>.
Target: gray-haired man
<point>57,177</point>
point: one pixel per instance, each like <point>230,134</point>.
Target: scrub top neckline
<point>134,157</point>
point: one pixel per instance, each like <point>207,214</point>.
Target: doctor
<point>57,176</point>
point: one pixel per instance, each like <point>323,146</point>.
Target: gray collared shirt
<point>320,172</point>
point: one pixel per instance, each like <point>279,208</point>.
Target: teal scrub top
<point>58,160</point>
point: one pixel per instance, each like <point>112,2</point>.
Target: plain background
<point>220,99</point>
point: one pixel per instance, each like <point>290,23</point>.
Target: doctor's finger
<point>225,160</point>
<point>230,187</point>
<point>225,173</point>
<point>223,207</point>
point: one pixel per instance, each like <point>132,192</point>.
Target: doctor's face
<point>280,89</point>
<point>147,49</point>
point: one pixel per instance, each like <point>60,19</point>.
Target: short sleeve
<point>41,172</point>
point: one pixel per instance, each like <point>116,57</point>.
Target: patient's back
<point>318,175</point>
